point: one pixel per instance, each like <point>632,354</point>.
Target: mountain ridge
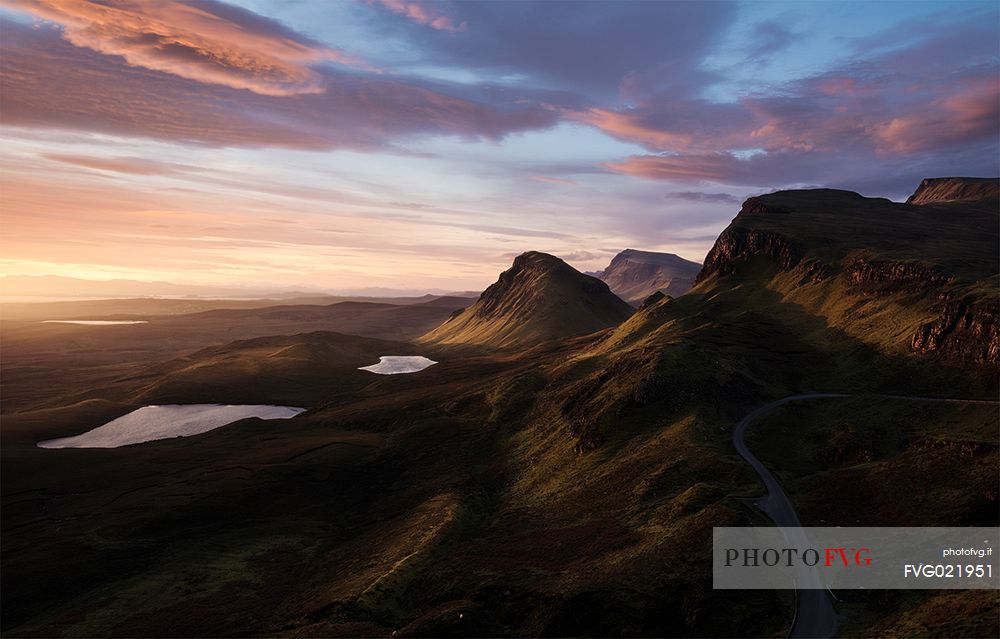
<point>634,275</point>
<point>935,284</point>
<point>955,189</point>
<point>538,298</point>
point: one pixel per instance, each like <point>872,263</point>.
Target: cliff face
<point>955,189</point>
<point>873,276</point>
<point>738,245</point>
<point>904,256</point>
<point>964,331</point>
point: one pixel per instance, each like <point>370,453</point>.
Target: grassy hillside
<point>539,298</point>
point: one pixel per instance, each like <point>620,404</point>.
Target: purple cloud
<point>424,13</point>
<point>47,82</point>
<point>597,49</point>
<point>201,40</point>
<point>861,118</point>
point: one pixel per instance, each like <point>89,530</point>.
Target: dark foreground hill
<point>569,488</point>
<point>538,298</point>
<point>635,275</point>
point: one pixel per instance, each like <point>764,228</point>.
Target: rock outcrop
<point>964,331</point>
<point>737,245</point>
<point>873,276</point>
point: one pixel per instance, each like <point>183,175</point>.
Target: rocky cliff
<point>935,256</point>
<point>955,189</point>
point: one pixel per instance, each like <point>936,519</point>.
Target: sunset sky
<point>339,145</point>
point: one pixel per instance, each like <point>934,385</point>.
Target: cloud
<point>589,48</point>
<point>767,38</point>
<point>46,82</point>
<point>867,173</point>
<point>200,40</point>
<point>697,196</point>
<point>932,104</point>
<point>553,180</point>
<point>970,113</point>
<point>669,123</point>
<point>582,256</point>
<point>128,165</point>
<point>422,13</point>
<point>687,167</point>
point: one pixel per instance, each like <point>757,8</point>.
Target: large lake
<point>396,364</point>
<point>150,423</point>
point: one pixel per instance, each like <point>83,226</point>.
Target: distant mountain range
<point>56,286</point>
<point>635,275</point>
<point>538,298</point>
<point>50,287</point>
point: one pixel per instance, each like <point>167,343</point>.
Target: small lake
<point>397,364</point>
<point>150,423</point>
<point>95,322</point>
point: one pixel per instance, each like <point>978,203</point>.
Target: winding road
<point>814,613</point>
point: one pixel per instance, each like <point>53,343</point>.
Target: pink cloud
<point>714,166</point>
<point>674,124</point>
<point>778,167</point>
<point>626,125</point>
<point>971,112</point>
<point>794,123</point>
<point>46,82</point>
<point>128,165</point>
<point>421,13</point>
<point>201,40</point>
<point>554,180</point>
<point>818,123</point>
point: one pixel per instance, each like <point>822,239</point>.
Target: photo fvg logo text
<point>833,557</point>
<point>791,556</point>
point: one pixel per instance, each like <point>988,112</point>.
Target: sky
<point>325,144</point>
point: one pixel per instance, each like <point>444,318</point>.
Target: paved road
<point>814,614</point>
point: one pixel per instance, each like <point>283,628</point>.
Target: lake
<point>150,423</point>
<point>397,364</point>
